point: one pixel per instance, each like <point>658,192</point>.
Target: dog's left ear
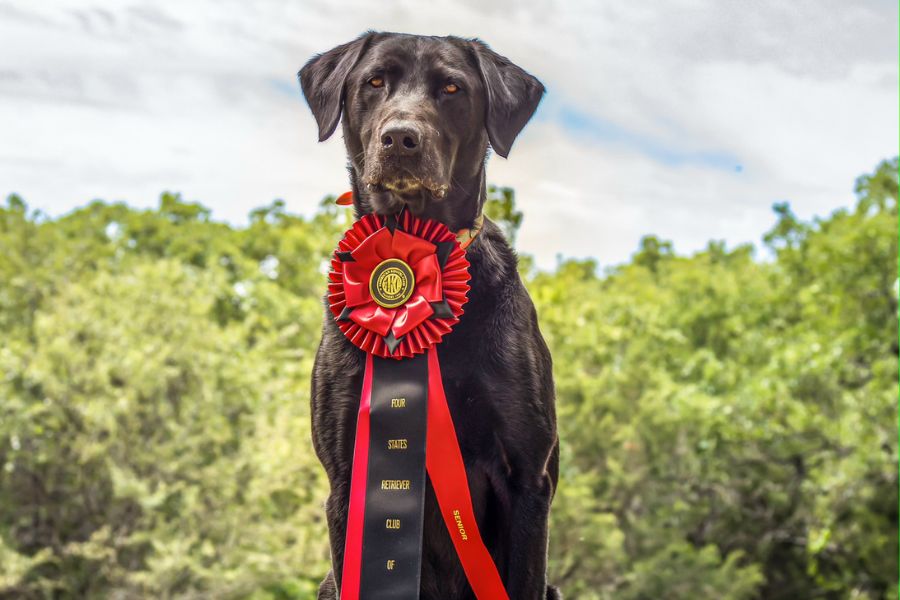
<point>512,96</point>
<point>322,81</point>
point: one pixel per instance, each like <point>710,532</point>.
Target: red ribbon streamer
<point>447,473</point>
<point>353,542</point>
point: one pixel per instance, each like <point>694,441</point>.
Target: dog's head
<point>418,113</point>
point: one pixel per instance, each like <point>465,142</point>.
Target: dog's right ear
<point>322,81</point>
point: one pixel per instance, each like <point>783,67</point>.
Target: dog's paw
<point>553,593</point>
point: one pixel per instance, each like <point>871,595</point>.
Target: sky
<point>687,119</point>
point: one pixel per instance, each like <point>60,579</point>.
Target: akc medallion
<point>391,283</point>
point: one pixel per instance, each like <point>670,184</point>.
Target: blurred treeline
<point>728,422</point>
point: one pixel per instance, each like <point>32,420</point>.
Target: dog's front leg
<point>526,578</point>
<point>531,447</point>
<point>336,381</point>
<point>336,507</point>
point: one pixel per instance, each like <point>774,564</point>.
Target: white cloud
<point>123,101</point>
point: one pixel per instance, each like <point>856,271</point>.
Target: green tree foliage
<point>728,423</point>
<point>500,207</point>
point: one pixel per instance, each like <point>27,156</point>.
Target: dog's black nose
<point>401,139</point>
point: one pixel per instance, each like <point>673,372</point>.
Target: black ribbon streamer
<point>395,483</point>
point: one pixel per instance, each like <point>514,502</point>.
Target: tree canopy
<point>728,421</point>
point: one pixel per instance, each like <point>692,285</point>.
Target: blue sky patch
<point>607,132</point>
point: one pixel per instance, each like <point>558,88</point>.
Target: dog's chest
<point>466,379</point>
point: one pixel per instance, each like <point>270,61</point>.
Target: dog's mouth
<point>395,191</point>
<point>407,184</point>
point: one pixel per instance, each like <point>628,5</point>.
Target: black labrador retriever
<point>418,114</point>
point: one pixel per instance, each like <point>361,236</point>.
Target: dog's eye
<point>451,88</point>
<point>376,82</point>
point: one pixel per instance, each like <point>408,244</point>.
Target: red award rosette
<point>397,286</point>
<point>440,275</point>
